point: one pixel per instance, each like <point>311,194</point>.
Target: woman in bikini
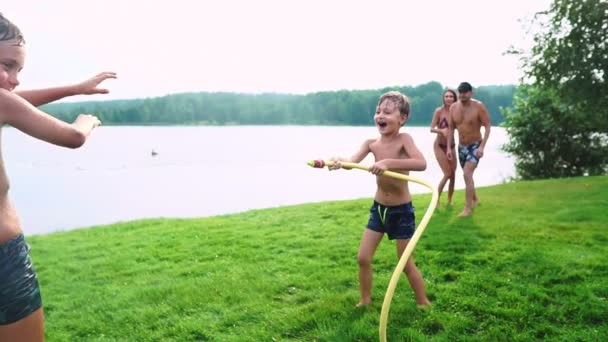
<point>439,125</point>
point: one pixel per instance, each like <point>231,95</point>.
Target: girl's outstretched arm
<point>17,112</point>
<point>39,97</point>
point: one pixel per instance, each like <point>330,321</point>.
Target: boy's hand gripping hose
<point>388,297</point>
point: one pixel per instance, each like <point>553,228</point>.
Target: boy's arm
<point>41,97</point>
<point>363,151</point>
<point>415,162</point>
<point>20,114</point>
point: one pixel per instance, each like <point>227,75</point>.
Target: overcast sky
<point>160,47</point>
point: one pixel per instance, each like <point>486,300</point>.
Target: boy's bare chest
<point>387,151</point>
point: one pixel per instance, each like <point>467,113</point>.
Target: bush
<point>550,139</point>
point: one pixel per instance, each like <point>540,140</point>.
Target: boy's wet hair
<point>10,31</point>
<point>402,101</point>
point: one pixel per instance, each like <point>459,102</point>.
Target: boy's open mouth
<point>382,124</point>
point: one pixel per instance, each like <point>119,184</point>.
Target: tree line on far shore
<point>344,107</point>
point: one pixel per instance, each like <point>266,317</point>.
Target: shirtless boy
<point>392,211</point>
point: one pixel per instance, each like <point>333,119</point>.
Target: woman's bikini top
<point>443,123</point>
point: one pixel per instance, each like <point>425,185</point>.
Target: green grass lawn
<point>531,264</point>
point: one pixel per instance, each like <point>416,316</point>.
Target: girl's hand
<point>89,87</point>
<point>87,120</point>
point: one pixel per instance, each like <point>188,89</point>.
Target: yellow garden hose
<point>388,297</point>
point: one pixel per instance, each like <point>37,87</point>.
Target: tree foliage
<point>558,125</point>
<point>547,140</point>
<point>342,107</point>
<point>570,55</point>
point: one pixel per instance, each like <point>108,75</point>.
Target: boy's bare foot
<point>475,203</point>
<point>363,304</point>
<point>466,212</point>
<point>425,304</point>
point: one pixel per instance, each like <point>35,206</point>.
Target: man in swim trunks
<point>467,115</point>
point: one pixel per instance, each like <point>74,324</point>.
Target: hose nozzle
<point>319,164</point>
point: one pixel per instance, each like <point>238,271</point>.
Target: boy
<point>392,211</point>
<point>21,317</point>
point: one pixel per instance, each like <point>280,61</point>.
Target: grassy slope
<point>531,264</point>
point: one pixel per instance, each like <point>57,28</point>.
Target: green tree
<point>570,55</point>
<point>558,125</point>
<point>546,140</point>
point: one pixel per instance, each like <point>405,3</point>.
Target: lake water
<point>200,171</point>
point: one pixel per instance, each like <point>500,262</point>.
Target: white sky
<point>160,47</point>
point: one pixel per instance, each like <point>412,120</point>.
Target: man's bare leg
<point>468,170</point>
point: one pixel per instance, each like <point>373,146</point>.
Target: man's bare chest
<point>465,115</point>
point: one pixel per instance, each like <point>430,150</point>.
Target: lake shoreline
<point>125,173</point>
